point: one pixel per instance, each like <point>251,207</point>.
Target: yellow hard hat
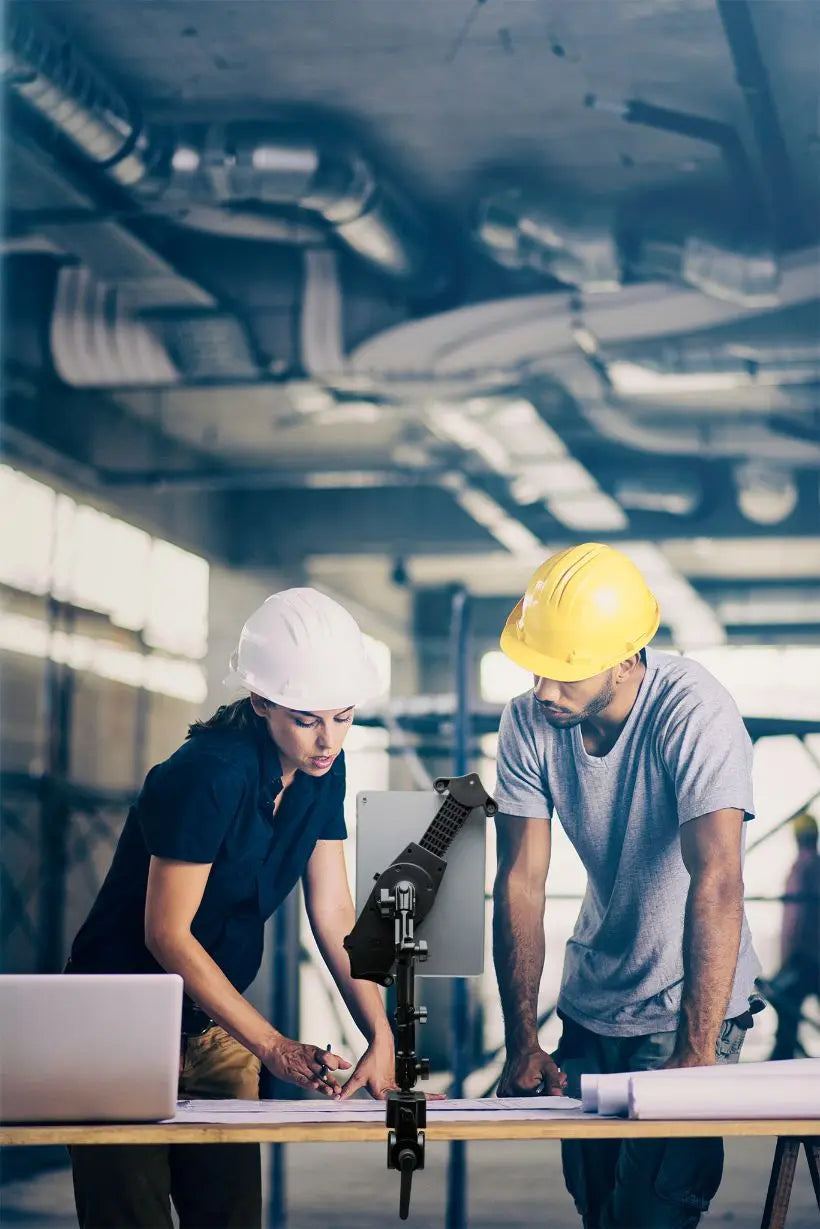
<point>585,610</point>
<point>805,827</point>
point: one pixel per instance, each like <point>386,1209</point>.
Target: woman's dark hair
<point>643,656</point>
<point>236,716</point>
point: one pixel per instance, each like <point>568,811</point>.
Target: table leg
<point>812,1147</point>
<point>780,1183</point>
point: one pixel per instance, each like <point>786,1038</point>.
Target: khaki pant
<point>212,1186</point>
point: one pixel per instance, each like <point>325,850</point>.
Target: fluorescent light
<point>594,510</point>
<point>768,609</point>
<point>516,537</point>
<point>692,620</point>
<point>489,513</point>
<point>352,479</point>
<point>746,558</point>
<point>471,435</point>
<point>514,441</point>
<point>522,429</point>
<point>557,477</point>
<point>481,507</point>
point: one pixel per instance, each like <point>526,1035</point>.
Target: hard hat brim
<point>543,666</point>
<point>370,688</point>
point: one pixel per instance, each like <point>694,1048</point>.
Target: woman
<point>220,833</point>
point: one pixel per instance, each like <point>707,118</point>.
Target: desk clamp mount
<point>383,942</point>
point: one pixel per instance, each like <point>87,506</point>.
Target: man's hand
<point>308,1066</point>
<point>375,1070</point>
<point>528,1070</point>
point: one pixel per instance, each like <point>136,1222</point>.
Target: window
<point>96,562</point>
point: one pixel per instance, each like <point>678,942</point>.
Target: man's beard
<point>595,706</point>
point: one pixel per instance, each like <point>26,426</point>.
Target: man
<point>799,974</point>
<point>645,758</point>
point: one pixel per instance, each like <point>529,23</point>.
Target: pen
<point>325,1067</point>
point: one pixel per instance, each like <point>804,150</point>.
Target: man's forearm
<point>711,941</point>
<point>518,955</point>
<point>363,998</point>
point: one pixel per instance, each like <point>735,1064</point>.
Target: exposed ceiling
<point>444,283</point>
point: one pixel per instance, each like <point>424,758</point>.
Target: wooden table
<point>791,1133</point>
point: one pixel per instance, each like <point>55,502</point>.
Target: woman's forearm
<point>363,998</point>
<point>211,990</point>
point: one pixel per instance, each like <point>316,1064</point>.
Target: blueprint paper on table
<point>258,1113</point>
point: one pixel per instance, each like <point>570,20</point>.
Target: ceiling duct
<point>237,179</point>
<point>250,170</point>
<point>710,439</point>
<point>51,77</point>
<point>96,339</point>
<point>791,360</point>
<point>520,232</point>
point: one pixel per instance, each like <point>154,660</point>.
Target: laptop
<point>86,1047</point>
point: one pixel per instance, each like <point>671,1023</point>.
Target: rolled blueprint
<point>609,1094</point>
<point>734,1093</point>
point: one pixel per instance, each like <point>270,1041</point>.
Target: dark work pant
<point>213,1186</point>
<point>638,1184</point>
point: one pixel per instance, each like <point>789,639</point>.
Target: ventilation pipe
<point>712,439</point>
<point>717,437</point>
<point>237,179</point>
<point>522,233</point>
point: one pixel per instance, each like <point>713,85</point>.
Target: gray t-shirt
<point>683,752</point>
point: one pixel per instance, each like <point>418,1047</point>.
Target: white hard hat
<point>304,651</point>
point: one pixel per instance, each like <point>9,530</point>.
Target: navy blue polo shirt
<point>212,801</point>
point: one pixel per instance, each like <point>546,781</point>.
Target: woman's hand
<point>375,1070</point>
<point>307,1066</point>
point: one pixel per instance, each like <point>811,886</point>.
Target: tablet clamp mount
<point>383,943</point>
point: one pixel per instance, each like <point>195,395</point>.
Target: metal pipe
<point>284,1015</point>
<point>226,173</point>
<point>251,168</point>
<point>698,127</point>
<point>456,1216</point>
<point>54,80</point>
<point>55,810</point>
<point>247,478</point>
<point>751,76</point>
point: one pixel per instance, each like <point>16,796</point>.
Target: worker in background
<point>645,759</point>
<point>222,830</point>
<point>799,974</point>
